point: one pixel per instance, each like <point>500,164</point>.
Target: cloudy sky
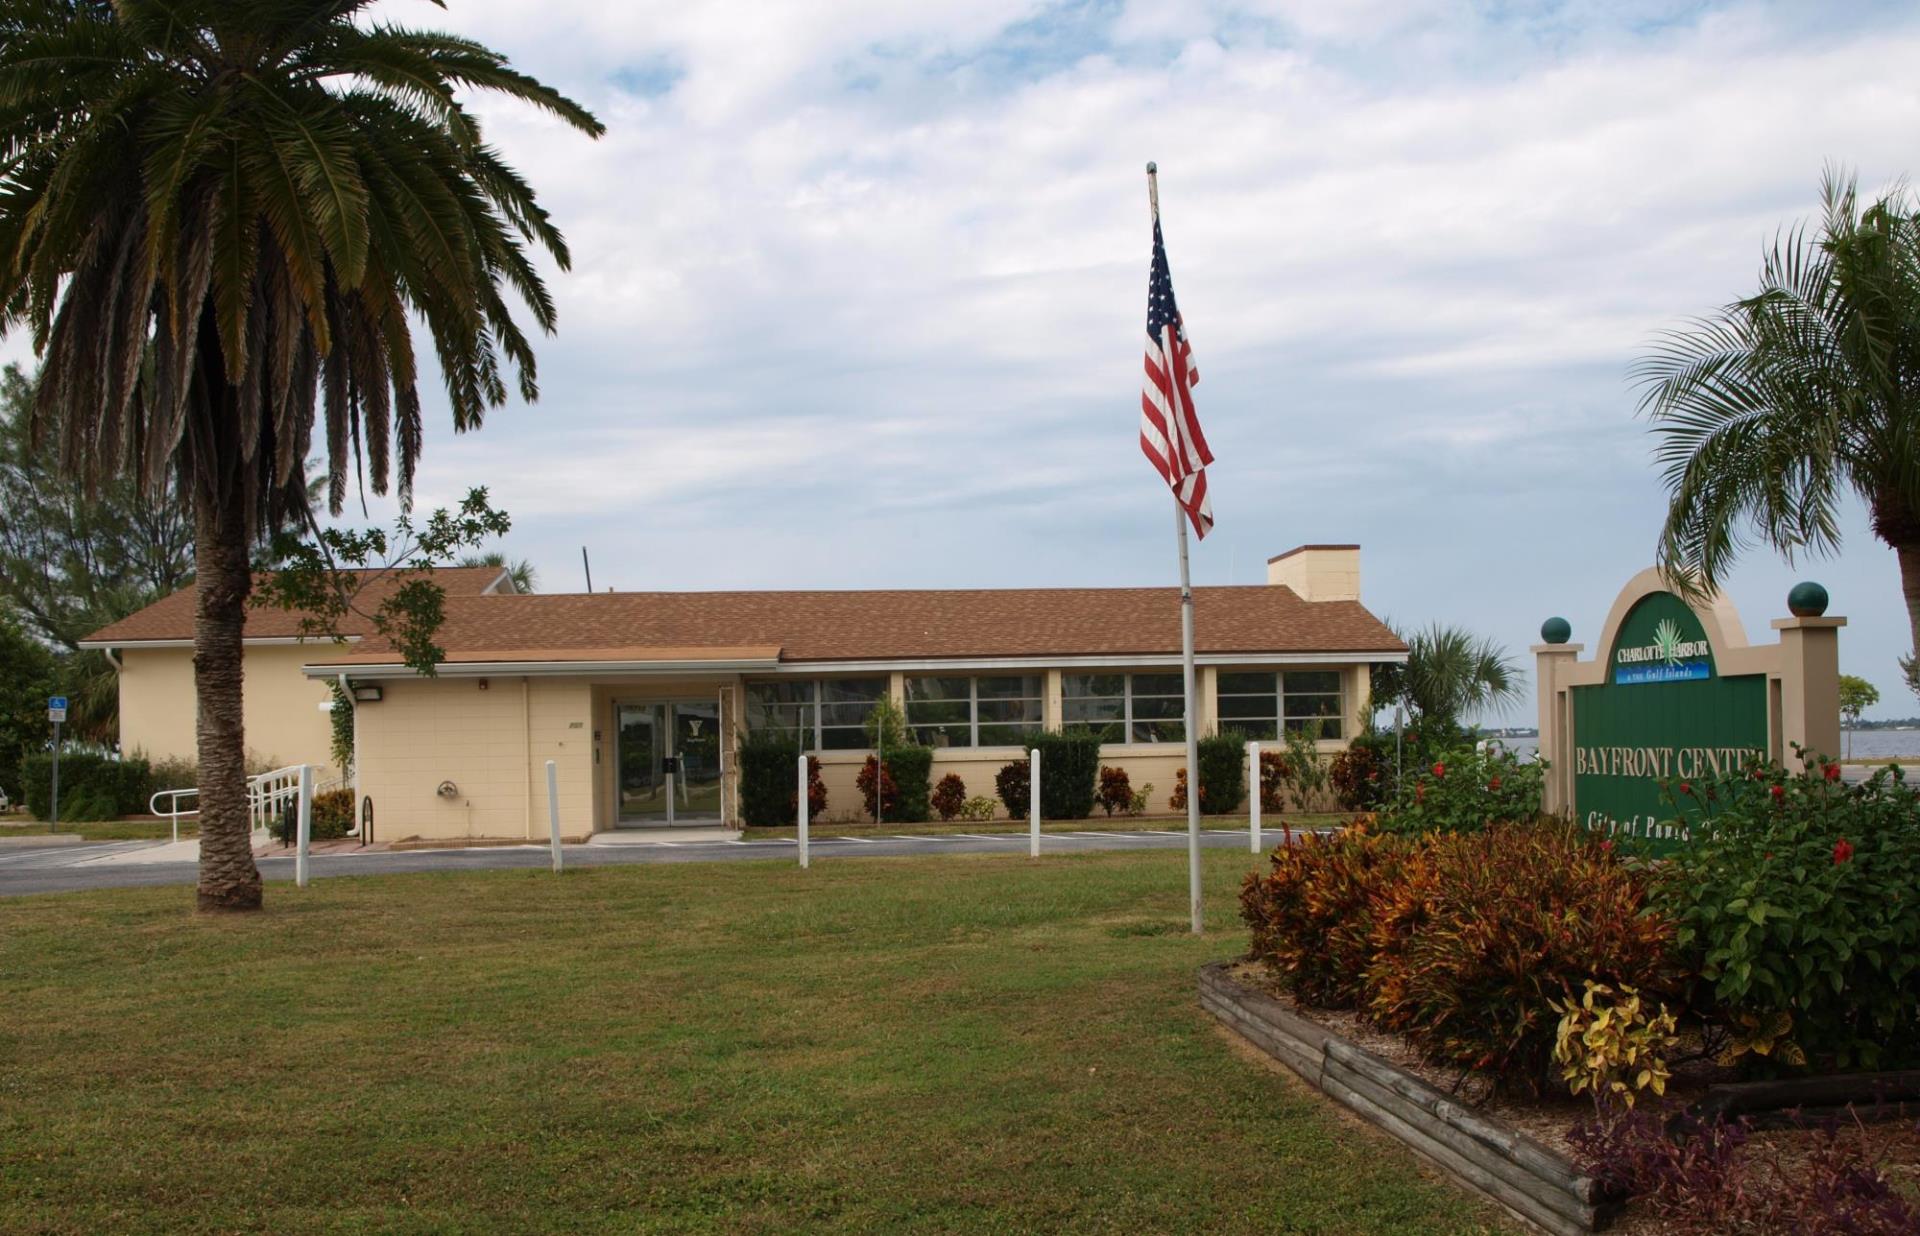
<point>859,284</point>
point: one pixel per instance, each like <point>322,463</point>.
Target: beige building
<point>639,698</point>
<point>285,711</point>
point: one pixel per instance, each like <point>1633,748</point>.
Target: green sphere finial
<point>1556,630</point>
<point>1807,600</point>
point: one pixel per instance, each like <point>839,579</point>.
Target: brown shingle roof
<point>896,625</point>
<point>171,617</point>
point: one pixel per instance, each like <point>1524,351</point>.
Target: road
<point>70,868</point>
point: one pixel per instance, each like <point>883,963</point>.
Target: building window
<point>829,714</point>
<point>1257,705</point>
<point>786,707</point>
<point>999,711</point>
<point>1125,707</point>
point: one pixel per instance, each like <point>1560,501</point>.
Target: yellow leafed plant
<point>1610,1045</point>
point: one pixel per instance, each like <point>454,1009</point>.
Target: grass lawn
<point>101,830</point>
<point>975,1043</point>
<point>1097,824</point>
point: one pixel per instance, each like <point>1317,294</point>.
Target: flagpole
<point>1186,661</point>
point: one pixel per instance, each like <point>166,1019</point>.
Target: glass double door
<point>669,762</point>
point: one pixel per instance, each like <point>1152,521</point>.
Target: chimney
<point>1318,572</point>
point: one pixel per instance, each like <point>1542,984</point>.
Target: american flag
<point>1169,427</point>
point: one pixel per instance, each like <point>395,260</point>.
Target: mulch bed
<point>1550,1118</point>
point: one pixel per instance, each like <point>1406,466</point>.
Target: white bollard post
<point>1033,803</point>
<point>801,805</point>
<point>1253,795</point>
<point>303,827</point>
<point>553,812</point>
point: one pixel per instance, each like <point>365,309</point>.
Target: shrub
<point>1013,783</point>
<point>1116,791</point>
<point>1493,928</point>
<point>176,772</point>
<point>1140,799</point>
<point>92,787</point>
<point>1069,774</point>
<point>1223,773</point>
<point>912,769</point>
<point>1275,773</point>
<point>1796,902</point>
<point>1223,776</point>
<point>949,796</point>
<point>332,814</point>
<point>1612,1046</point>
<point>769,766</point>
<point>979,807</point>
<point>1360,774</point>
<point>889,792</point>
<point>1306,781</point>
<point>905,780</point>
<point>1701,1176</point>
<point>1311,914</point>
<point>1463,790</point>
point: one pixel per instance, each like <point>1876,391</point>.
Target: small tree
<point>1856,696</point>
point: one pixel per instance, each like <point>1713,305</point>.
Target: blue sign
<point>57,701</point>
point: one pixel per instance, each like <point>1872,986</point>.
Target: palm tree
<point>218,221</point>
<point>1450,675</point>
<point>1771,409</point>
<point>520,571</point>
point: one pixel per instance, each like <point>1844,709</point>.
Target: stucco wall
<point>492,744</point>
<point>282,706</point>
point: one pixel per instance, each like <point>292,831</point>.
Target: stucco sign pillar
<point>1675,693</point>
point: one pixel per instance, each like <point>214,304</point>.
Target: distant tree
<point>1450,677</point>
<point>71,561</point>
<point>27,671</point>
<point>1772,409</point>
<point>1856,696</point>
<point>221,222</point>
<point>520,572</point>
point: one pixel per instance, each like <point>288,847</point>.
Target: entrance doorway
<point>669,763</point>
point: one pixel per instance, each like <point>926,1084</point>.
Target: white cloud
<point>858,284</point>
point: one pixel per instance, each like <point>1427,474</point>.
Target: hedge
<point>1069,774</point>
<point>769,776</point>
<point>912,771</point>
<point>1223,773</point>
<point>92,787</point>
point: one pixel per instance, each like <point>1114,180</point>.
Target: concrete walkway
<point>663,836</point>
<point>73,868</point>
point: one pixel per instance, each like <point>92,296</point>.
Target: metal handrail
<point>267,792</point>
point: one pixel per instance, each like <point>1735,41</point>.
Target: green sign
<point>1664,715</point>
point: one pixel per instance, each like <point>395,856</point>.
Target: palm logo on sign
<point>1666,640</point>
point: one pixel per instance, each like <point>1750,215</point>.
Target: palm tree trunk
<point>229,880</point>
<point>1908,553</point>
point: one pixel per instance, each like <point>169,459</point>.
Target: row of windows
<point>998,711</point>
<point>830,714</point>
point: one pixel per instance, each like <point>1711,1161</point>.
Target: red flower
<point>1832,771</point>
<point>1606,847</point>
<point>1842,851</point>
<point>1439,770</point>
<point>1685,788</point>
<point>1777,792</point>
<point>1494,784</point>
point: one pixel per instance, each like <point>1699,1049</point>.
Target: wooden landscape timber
<point>1534,1184</point>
